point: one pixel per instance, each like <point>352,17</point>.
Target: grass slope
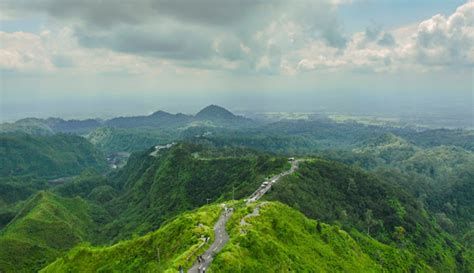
<point>45,227</point>
<point>356,200</point>
<point>281,239</point>
<point>183,178</point>
<point>175,243</point>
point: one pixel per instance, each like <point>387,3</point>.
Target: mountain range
<point>212,115</point>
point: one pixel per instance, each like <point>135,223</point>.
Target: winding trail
<point>221,237</point>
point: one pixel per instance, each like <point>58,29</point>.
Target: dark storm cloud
<point>216,12</point>
<point>214,31</point>
<point>109,12</point>
<point>150,42</point>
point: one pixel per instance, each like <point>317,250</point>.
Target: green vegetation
<point>410,210</point>
<point>36,126</point>
<point>281,239</point>
<point>183,178</point>
<point>176,243</point>
<point>45,227</point>
<point>31,126</point>
<point>116,139</point>
<point>337,194</point>
<point>47,156</point>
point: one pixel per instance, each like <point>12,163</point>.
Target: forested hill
<point>47,156</point>
<point>347,196</point>
<point>157,185</point>
<point>46,226</point>
<point>277,239</point>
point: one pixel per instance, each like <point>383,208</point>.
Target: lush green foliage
<point>281,239</point>
<point>45,227</point>
<point>335,193</point>
<point>116,139</point>
<point>182,178</point>
<point>49,126</point>
<point>395,218</point>
<point>176,243</point>
<point>47,156</point>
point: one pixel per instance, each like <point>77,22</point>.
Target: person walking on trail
<point>180,269</point>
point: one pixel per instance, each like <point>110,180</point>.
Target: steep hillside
<point>110,139</point>
<point>45,227</point>
<point>336,193</point>
<point>281,239</point>
<point>158,186</point>
<point>176,243</point>
<point>217,113</point>
<point>277,239</point>
<point>47,156</point>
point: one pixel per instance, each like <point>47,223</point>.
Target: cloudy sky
<point>106,57</point>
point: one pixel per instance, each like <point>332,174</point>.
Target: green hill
<point>110,139</point>
<point>36,126</point>
<point>339,194</point>
<point>156,187</point>
<point>278,239</point>
<point>45,227</point>
<point>176,243</point>
<point>281,239</point>
<point>47,156</point>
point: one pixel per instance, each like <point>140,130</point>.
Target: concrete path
<point>220,234</point>
<point>220,239</point>
<point>267,185</point>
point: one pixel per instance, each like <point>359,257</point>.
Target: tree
<point>399,233</point>
<point>369,220</point>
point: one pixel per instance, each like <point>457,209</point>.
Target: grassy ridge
<point>46,226</point>
<point>176,243</point>
<point>281,239</point>
<point>183,178</point>
<point>356,200</point>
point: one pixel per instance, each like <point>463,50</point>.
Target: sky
<point>91,58</point>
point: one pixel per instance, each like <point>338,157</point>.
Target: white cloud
<point>58,51</point>
<point>432,44</point>
<point>24,51</point>
<point>263,37</point>
<point>447,40</point>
